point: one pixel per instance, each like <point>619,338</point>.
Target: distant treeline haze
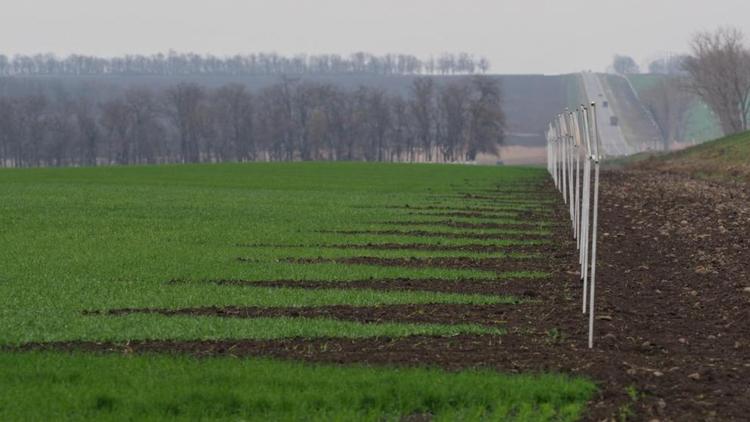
<point>250,64</point>
<point>290,120</point>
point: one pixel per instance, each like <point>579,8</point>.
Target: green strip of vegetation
<point>47,386</point>
<point>70,327</point>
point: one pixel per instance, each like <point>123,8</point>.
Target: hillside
<point>700,124</point>
<point>724,158</point>
<point>638,127</point>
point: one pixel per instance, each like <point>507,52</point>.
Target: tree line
<point>173,63</point>
<point>289,120</point>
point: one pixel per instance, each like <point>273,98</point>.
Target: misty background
<point>98,83</point>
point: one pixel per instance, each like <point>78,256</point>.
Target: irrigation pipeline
<point>573,149</point>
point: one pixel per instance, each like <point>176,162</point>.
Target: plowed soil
<point>522,288</point>
<point>445,235</point>
<point>436,313</point>
<point>488,264</point>
<point>464,225</point>
<point>523,248</point>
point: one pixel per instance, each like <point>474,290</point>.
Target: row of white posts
<point>573,148</point>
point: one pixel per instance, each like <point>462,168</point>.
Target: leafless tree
<point>184,105</point>
<point>145,127</point>
<point>234,110</point>
<point>669,102</point>
<point>668,65</point>
<point>624,65</point>
<point>719,68</point>
<point>88,130</point>
<point>423,108</point>
<point>455,102</point>
<point>487,130</point>
<point>114,120</point>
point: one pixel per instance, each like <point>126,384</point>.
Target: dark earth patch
<point>523,248</point>
<point>469,214</point>
<point>463,225</point>
<point>445,235</point>
<point>526,288</point>
<point>435,313</point>
<point>482,210</point>
<point>477,248</point>
<point>461,263</point>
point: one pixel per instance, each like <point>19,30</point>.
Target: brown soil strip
<point>478,248</point>
<point>523,288</point>
<point>499,210</point>
<point>457,263</point>
<point>435,313</point>
<point>480,215</point>
<point>463,225</point>
<point>445,235</point>
<point>483,200</point>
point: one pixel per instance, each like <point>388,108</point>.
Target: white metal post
<point>564,158</point>
<point>577,211</point>
<point>592,296</point>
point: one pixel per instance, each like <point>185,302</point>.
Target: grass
<point>726,158</point>
<point>152,327</point>
<point>96,238</point>
<point>43,386</point>
<point>101,238</point>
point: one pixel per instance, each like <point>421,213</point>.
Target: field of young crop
<point>276,291</point>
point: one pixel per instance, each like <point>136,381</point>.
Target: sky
<point>517,36</point>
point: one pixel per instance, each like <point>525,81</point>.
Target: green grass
<point>725,158</point>
<point>153,327</point>
<point>43,386</point>
<point>97,238</point>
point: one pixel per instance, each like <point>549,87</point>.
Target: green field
<point>97,239</point>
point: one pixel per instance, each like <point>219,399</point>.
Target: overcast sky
<point>518,36</point>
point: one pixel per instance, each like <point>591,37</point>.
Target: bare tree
<point>145,128</point>
<point>455,101</point>
<point>669,102</point>
<point>184,103</point>
<point>487,118</point>
<point>668,65</point>
<point>233,108</point>
<point>88,130</point>
<point>625,65</point>
<point>9,134</point>
<point>114,120</point>
<point>720,73</point>
<point>423,109</point>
